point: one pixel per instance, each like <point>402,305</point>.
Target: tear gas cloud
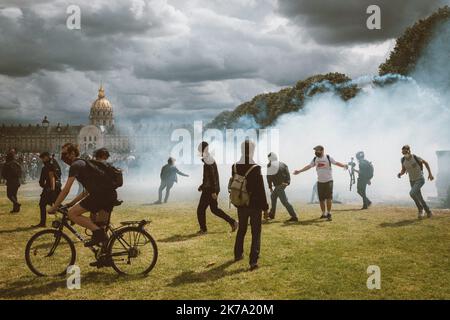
<point>378,121</point>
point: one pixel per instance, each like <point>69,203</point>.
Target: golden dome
<point>101,104</point>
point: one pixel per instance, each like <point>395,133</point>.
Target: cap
<point>319,147</point>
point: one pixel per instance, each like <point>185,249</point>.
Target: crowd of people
<point>99,178</point>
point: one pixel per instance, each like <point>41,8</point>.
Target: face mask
<point>65,157</point>
<point>318,154</point>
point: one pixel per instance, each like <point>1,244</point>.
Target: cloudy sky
<point>183,59</point>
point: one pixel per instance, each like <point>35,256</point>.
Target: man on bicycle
<point>96,197</point>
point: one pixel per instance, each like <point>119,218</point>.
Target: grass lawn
<point>313,259</point>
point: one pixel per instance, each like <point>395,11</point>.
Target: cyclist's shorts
<point>99,201</point>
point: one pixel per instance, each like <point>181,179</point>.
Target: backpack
<point>417,160</point>
<point>102,176</point>
<point>328,157</point>
<point>237,187</point>
<point>370,170</point>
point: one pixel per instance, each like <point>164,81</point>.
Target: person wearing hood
<point>256,207</point>
<point>278,178</point>
<point>210,189</point>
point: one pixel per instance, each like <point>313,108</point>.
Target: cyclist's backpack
<point>417,160</point>
<point>102,176</point>
<point>237,187</point>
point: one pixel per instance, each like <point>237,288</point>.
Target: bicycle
<point>50,252</point>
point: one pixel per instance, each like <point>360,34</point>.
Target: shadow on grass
<point>40,286</point>
<point>180,237</point>
<point>347,210</point>
<point>20,229</point>
<point>213,274</point>
<point>185,237</point>
<point>304,222</point>
<point>398,224</point>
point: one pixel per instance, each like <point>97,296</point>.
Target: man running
<point>278,178</point>
<point>95,198</point>
<point>323,163</point>
<point>365,174</point>
<point>413,165</point>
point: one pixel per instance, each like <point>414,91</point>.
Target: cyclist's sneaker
<point>98,236</point>
<point>101,262</point>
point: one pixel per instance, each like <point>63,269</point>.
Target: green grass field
<point>313,259</point>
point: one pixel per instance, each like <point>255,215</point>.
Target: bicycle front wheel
<point>50,253</point>
<point>133,251</point>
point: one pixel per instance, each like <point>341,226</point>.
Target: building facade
<point>100,132</point>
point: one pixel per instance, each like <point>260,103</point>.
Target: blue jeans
<point>416,194</point>
<point>278,192</point>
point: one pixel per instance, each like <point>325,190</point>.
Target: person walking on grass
<point>278,178</point>
<point>210,189</point>
<point>413,166</point>
<point>50,182</point>
<point>12,173</point>
<point>250,199</point>
<point>323,163</point>
<point>169,176</point>
<point>365,175</point>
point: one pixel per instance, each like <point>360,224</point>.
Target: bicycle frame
<point>113,232</point>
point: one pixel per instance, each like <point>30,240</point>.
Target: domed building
<point>100,132</point>
<point>101,111</point>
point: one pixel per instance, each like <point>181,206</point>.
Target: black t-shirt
<point>78,170</point>
<point>50,166</point>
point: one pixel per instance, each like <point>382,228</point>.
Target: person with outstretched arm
<point>169,176</point>
<point>413,165</point>
<point>323,163</point>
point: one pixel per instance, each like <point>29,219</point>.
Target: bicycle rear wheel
<point>49,253</point>
<point>132,251</point>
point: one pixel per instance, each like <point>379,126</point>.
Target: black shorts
<point>99,201</point>
<point>325,190</point>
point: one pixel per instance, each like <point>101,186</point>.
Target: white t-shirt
<point>323,168</point>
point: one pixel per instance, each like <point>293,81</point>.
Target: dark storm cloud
<point>34,39</point>
<point>157,59</point>
<point>344,21</point>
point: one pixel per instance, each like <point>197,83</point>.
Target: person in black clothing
<point>95,198</point>
<point>278,178</point>
<point>12,172</point>
<point>253,212</point>
<point>210,189</point>
<point>169,176</point>
<point>50,182</point>
<point>365,173</point>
